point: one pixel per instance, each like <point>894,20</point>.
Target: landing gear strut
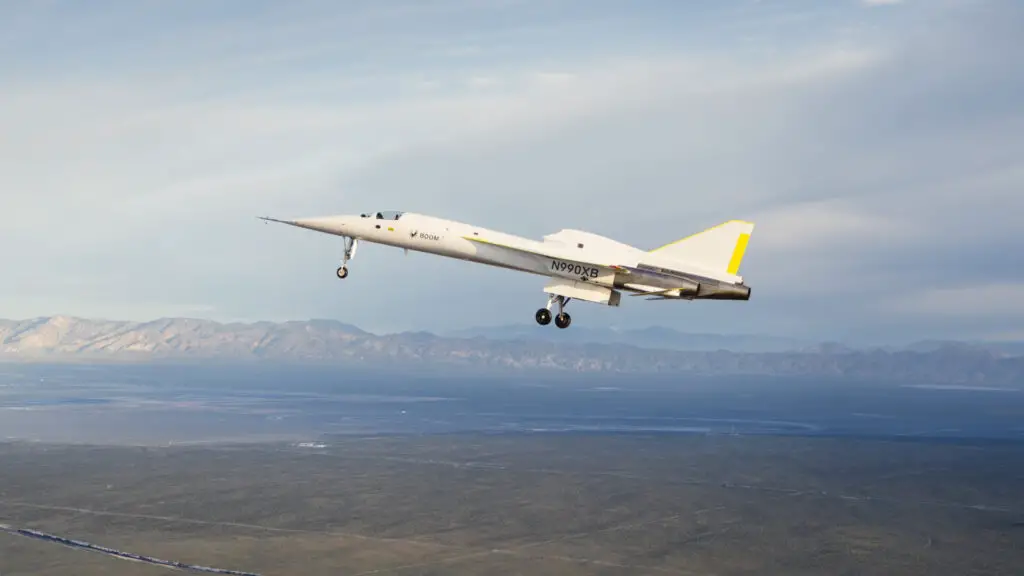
<point>350,253</point>
<point>562,320</point>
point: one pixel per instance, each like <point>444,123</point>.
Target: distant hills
<point>64,338</point>
<point>656,337</point>
<point>663,338</point>
<point>592,350</point>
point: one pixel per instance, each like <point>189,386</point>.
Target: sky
<point>877,145</point>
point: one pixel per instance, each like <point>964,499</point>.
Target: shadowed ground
<point>522,504</point>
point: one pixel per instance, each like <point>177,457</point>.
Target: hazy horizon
<point>583,334</point>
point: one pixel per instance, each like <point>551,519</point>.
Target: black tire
<point>563,320</point>
<point>543,316</point>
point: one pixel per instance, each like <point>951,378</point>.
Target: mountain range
<point>655,337</point>
<point>64,339</point>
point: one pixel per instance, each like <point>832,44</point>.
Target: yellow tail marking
<point>695,234</point>
<point>737,253</point>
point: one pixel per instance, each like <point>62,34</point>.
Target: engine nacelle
<point>722,291</point>
<point>584,291</point>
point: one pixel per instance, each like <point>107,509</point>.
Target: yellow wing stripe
<point>737,253</point>
<point>674,242</point>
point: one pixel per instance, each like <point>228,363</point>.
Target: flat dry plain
<point>526,504</point>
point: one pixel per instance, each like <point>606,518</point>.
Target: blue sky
<point>877,145</point>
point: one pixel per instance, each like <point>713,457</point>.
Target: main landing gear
<point>350,253</point>
<point>562,320</point>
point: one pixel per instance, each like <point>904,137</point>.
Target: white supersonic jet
<point>579,265</point>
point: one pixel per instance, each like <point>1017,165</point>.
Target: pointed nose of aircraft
<point>326,224</point>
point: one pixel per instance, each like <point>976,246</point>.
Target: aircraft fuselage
<point>580,265</point>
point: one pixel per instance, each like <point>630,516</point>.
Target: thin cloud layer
<point>878,154</point>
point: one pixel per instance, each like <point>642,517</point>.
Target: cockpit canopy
<point>384,215</point>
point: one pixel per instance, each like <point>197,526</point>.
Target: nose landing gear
<point>350,253</point>
<point>562,319</point>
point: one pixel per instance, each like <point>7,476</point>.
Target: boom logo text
<point>424,235</point>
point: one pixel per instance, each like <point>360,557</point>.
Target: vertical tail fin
<point>717,249</point>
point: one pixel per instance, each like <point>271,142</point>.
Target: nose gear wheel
<point>350,253</point>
